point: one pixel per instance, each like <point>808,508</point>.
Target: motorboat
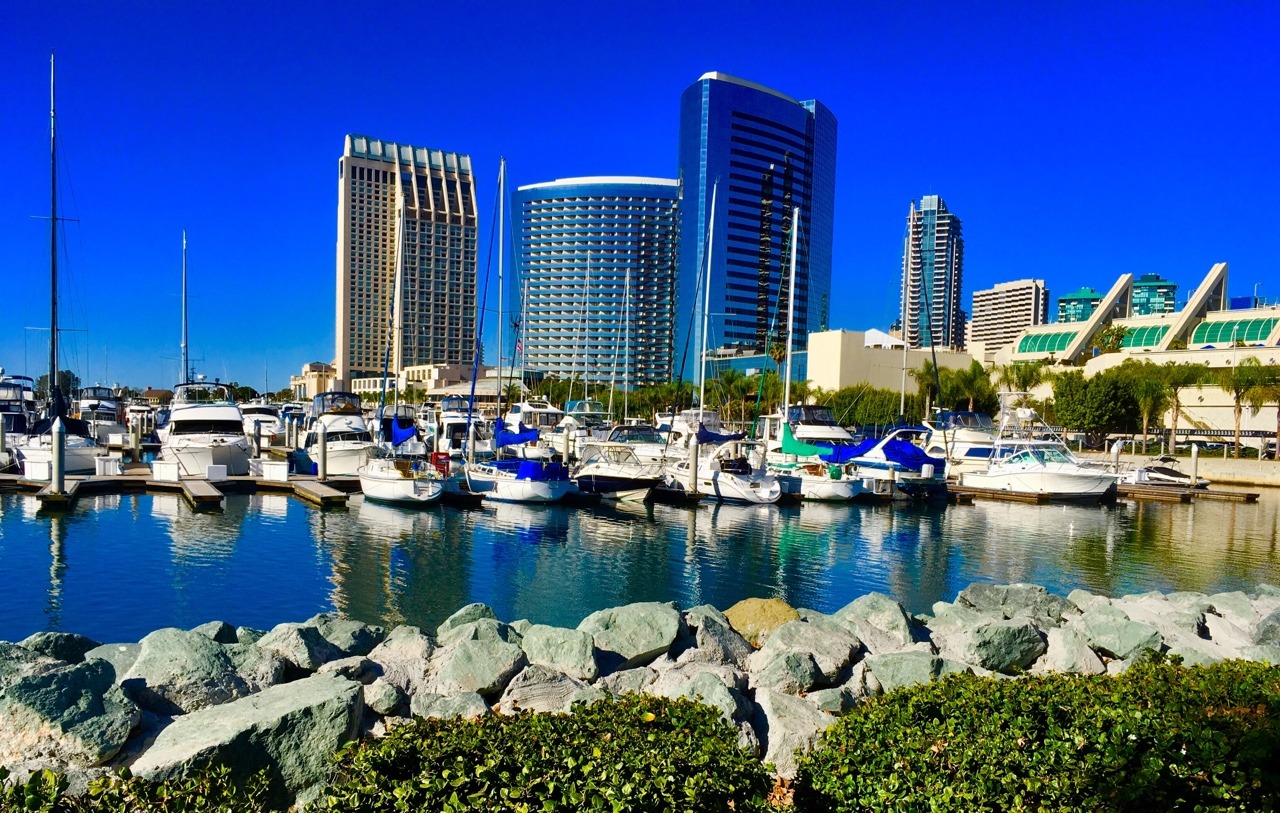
<point>894,467</point>
<point>100,407</point>
<point>400,481</point>
<point>518,479</point>
<point>613,471</point>
<point>1161,471</point>
<point>293,414</point>
<point>728,471</point>
<point>79,451</point>
<point>348,443</point>
<point>649,445</point>
<point>205,428</point>
<point>1028,458</point>
<point>684,424</point>
<point>536,414</point>
<point>454,424</point>
<point>14,422</point>
<point>263,419</point>
<point>140,412</point>
<point>964,439</point>
<point>587,414</point>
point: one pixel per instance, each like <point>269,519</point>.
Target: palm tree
<point>1175,377</point>
<point>927,380</point>
<point>1266,390</point>
<point>973,382</point>
<point>1150,392</point>
<point>1021,377</point>
<point>1237,381</point>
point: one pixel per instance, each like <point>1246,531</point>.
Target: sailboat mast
<point>626,343</point>
<point>906,269</point>
<point>791,306</point>
<point>706,309</point>
<point>502,238</point>
<point>55,396</point>
<point>186,363</point>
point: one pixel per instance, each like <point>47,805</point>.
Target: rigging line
<point>479,344</point>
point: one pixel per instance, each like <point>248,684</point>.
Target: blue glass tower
<point>597,267</point>
<point>768,153</point>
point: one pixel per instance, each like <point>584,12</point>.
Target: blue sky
<point>1075,141</point>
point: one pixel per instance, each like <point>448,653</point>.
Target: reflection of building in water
<point>199,536</point>
<point>269,505</point>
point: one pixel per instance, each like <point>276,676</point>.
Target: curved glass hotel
<point>597,266</point>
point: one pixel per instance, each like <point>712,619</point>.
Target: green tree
<point>928,384</point>
<point>1021,377</point>
<point>974,383</point>
<point>1149,391</point>
<point>68,383</point>
<point>1095,406</point>
<point>1238,382</point>
<point>1110,339</point>
<point>1176,377</point>
<point>1267,391</point>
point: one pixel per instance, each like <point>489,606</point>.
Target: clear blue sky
<point>1075,141</point>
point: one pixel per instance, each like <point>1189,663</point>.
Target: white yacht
<point>13,422</point>
<point>613,471</point>
<point>400,482</point>
<point>348,442</point>
<point>100,407</point>
<point>448,430</point>
<point>964,439</point>
<point>534,414</point>
<point>732,471</point>
<point>649,445</point>
<point>262,416</point>
<point>205,428</point>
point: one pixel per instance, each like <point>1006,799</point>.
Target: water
<point>115,568</point>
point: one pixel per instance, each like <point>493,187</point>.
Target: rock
<point>1197,603</point>
<point>404,656</point>
<point>879,622</point>
<point>348,636</point>
<point>1268,590</point>
<point>715,639</point>
<point>218,631</point>
<point>1085,601</point>
<point>249,635</point>
<point>956,615</point>
<point>62,646</point>
<point>302,646</point>
<point>755,618</point>
<point>1267,631</point>
<point>862,682</point>
<point>1236,607</point>
<point>258,668</point>
<point>1170,619</point>
<point>440,707</point>
<point>632,635</point>
<point>1229,637</point>
<point>708,688</point>
<point>361,670</point>
<point>1000,646</point>
<point>177,672</point>
<point>787,726</point>
<point>72,715</point>
<point>469,613</point>
<point>482,629</point>
<point>833,647</point>
<point>18,662</point>
<point>483,667</point>
<point>832,701</point>
<point>1117,637</point>
<point>1068,651</point>
<point>292,730</point>
<point>1262,654</point>
<point>895,670</point>
<point>628,681</point>
<point>521,626</point>
<point>119,656</point>
<point>787,672</point>
<point>568,651</point>
<point>1010,601</point>
<point>383,698</point>
<point>540,688</point>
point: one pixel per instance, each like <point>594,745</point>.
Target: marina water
<point>115,568</point>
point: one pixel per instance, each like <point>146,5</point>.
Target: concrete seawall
<point>1211,466</point>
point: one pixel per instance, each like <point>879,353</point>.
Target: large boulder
<point>361,670</point>
<point>441,707</point>
<point>756,618</point>
<point>1030,601</point>
<point>258,668</point>
<point>303,646</point>
<point>715,640</point>
<point>569,651</point>
<point>833,647</point>
<point>71,715</point>
<point>347,636</point>
<point>787,672</point>
<point>720,688</point>
<point>471,612</point>
<point>405,656</point>
<point>894,670</point>
<point>177,672</point>
<point>291,730</point>
<point>18,662</point>
<point>481,629</point>
<point>879,622</point>
<point>1000,646</point>
<point>632,635</point>
<point>1236,607</point>
<point>1067,650</point>
<point>543,689</point>
<point>383,698</point>
<point>628,681</point>
<point>1117,637</point>
<point>62,646</point>
<point>787,726</point>
<point>483,667</point>
<point>1266,632</point>
<point>119,657</point>
<point>219,631</point>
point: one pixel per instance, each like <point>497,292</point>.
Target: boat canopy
<point>524,434</point>
<point>705,435</point>
<point>11,392</point>
<point>811,414</point>
<point>201,393</point>
<point>965,420</point>
<point>637,433</point>
<point>98,393</point>
<point>335,403</point>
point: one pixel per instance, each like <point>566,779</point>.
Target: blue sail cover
<point>400,434</point>
<point>505,438</point>
<point>910,456</point>
<point>705,435</point>
<point>843,453</point>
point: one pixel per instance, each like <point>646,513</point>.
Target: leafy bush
<point>636,754</point>
<point>209,790</point>
<point>1158,737</point>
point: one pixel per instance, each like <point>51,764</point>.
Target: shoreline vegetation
<point>1010,697</point>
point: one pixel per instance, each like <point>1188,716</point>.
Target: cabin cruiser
<point>587,414</point>
<point>649,445</point>
<point>613,471</point>
<point>348,443</point>
<point>1161,471</point>
<point>684,424</point>
<point>895,468</point>
<point>727,469</point>
<point>448,432</point>
<point>263,417</point>
<point>100,407</point>
<point>535,414</point>
<point>13,422</point>
<point>205,428</point>
<point>1029,459</point>
<point>964,439</point>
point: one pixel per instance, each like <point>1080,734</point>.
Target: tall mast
<point>906,270</point>
<point>791,304</point>
<point>706,309</point>
<point>502,238</point>
<point>55,406</point>
<point>626,343</point>
<point>186,361</point>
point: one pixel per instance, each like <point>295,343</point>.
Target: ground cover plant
<point>205,790</point>
<point>1158,737</point>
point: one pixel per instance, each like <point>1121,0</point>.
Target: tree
<point>973,382</point>
<point>1149,391</point>
<point>1237,381</point>
<point>1111,338</point>
<point>1095,406</point>
<point>1175,377</point>
<point>1263,391</point>
<point>927,384</point>
<point>68,383</point>
<point>1021,377</point>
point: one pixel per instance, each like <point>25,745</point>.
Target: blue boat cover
<point>910,456</point>
<point>705,435</point>
<point>837,454</point>
<point>400,434</point>
<point>539,470</point>
<point>505,438</point>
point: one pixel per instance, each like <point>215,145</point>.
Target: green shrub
<point>208,790</point>
<point>636,754</point>
<point>1158,737</point>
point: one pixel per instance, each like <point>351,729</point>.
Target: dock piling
<point>1195,461</point>
<point>57,478</point>
<point>322,439</point>
<point>257,439</point>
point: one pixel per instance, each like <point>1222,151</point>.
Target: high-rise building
<point>932,276</point>
<point>1002,313</point>
<point>1153,295</point>
<point>418,206</point>
<point>597,260</point>
<point>1078,306</point>
<point>765,154</point>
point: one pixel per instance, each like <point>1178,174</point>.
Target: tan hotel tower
<point>420,204</point>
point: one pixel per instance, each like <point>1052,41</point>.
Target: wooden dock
<point>972,493</point>
<point>1177,494</point>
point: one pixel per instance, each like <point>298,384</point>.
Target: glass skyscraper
<point>768,153</point>
<point>597,263</point>
<point>932,276</point>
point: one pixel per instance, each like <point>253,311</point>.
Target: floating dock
<point>1179,494</point>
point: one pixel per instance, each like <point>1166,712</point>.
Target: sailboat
<point>79,446</point>
<point>385,478</point>
<point>514,479</point>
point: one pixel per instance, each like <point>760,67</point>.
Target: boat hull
<point>194,454</point>
<point>342,457</point>
<point>387,484</point>
<point>1056,485</point>
<point>77,456</point>
<point>504,490</point>
<point>616,488</point>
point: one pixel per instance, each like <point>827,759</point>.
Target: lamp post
<point>1255,294</point>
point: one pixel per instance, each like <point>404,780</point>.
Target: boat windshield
<point>966,420</point>
<point>259,409</point>
<point>336,403</point>
<point>11,392</point>
<point>811,414</point>
<point>200,394</point>
<point>454,403</point>
<point>636,434</point>
<point>206,427</point>
<point>97,393</point>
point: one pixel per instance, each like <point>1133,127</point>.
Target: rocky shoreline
<point>286,699</point>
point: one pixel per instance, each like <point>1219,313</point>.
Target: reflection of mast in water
<point>57,568</point>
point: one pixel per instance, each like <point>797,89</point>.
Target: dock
<point>971,493</point>
<point>1179,494</point>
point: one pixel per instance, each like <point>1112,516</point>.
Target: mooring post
<point>57,477</point>
<point>1195,462</point>
<point>322,439</point>
<point>135,439</point>
<point>693,464</point>
<point>257,439</point>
